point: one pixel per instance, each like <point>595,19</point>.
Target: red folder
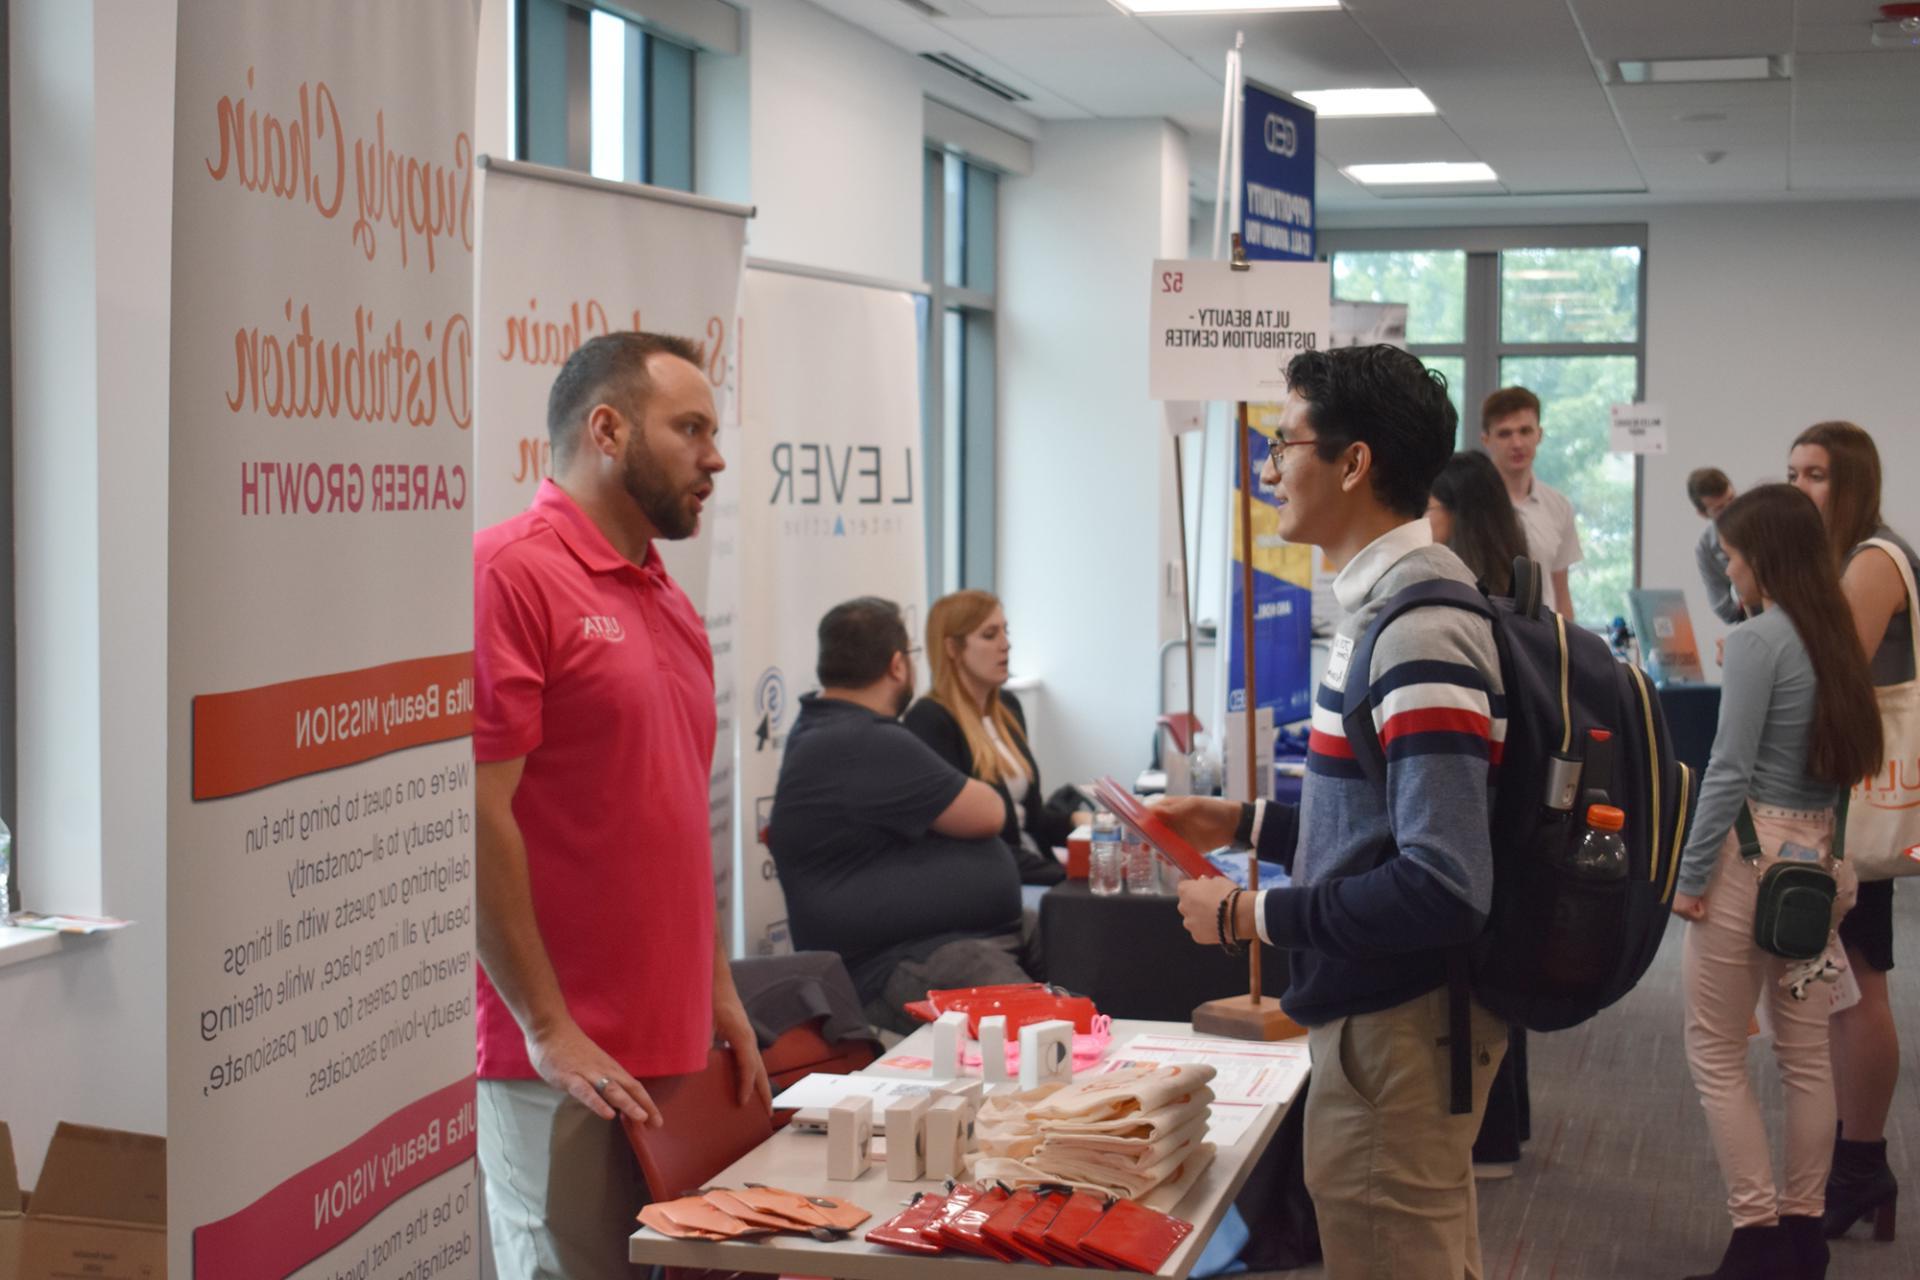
<point>1141,820</point>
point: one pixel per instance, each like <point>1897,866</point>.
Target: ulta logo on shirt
<point>598,627</point>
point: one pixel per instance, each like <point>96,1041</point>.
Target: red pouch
<point>1032,1227</point>
<point>1002,1227</point>
<point>1076,1217</point>
<point>1135,1237</point>
<point>964,1231</point>
<point>1019,1002</point>
<point>912,1228</point>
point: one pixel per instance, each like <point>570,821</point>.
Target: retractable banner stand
<point>831,507</point>
<point>564,259</point>
<point>320,893</point>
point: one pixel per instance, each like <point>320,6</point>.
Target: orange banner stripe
<point>254,738</point>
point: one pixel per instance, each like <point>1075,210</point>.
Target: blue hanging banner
<point>1276,175</point>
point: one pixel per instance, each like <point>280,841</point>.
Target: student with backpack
<point>1762,880</point>
<point>1393,875</point>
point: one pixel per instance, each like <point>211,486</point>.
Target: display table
<point>1693,714</point>
<point>1131,954</point>
<point>797,1161</point>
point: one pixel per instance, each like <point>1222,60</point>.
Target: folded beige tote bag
<point>1883,822</point>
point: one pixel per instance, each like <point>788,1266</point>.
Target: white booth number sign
<point>1220,334</point>
<point>1639,428</point>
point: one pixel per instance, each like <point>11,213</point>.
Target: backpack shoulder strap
<point>1357,697</point>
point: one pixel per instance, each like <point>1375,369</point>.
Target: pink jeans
<point>1726,976</point>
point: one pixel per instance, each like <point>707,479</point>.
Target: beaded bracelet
<point>1229,939</point>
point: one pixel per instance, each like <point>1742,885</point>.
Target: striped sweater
<point>1387,879</point>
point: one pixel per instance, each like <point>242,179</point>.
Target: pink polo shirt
<point>599,673</point>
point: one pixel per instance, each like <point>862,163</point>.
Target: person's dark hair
<point>1486,532</point>
<point>1504,403</point>
<point>857,642</point>
<point>1384,398</point>
<point>1704,483</point>
<point>1853,484</point>
<point>1777,531</point>
<point>609,369</point>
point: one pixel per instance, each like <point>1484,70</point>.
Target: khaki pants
<point>563,1187</point>
<point>1390,1172</point>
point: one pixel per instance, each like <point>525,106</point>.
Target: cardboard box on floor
<point>9,1206</point>
<point>100,1209</point>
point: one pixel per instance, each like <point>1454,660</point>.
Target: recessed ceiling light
<point>1701,117</point>
<point>1333,104</point>
<point>1161,7</point>
<point>1697,70</point>
<point>1422,173</point>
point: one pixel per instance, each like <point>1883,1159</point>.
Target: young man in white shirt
<point>1510,433</point>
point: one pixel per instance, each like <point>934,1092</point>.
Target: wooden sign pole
<point>1253,1016</point>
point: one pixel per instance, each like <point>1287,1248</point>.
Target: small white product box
<point>907,1137</point>
<point>949,1033</point>
<point>949,1130</point>
<point>849,1139</point>
<point>1046,1053</point>
<point>993,1049</point>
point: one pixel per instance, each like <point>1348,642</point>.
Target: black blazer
<point>934,725</point>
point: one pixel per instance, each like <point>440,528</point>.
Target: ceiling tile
<point>1685,28</point>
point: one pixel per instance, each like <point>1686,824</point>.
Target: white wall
<point>1085,470</point>
<point>91,97</point>
<point>836,144</point>
<point>1762,319</point>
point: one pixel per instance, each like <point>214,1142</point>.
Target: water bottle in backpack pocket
<point>1586,914</point>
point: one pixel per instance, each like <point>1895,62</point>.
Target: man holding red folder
<point>1387,878</point>
<point>594,728</point>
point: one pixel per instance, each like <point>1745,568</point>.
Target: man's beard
<point>665,507</point>
<point>902,700</point>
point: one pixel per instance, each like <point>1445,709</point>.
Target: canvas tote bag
<point>1883,822</point>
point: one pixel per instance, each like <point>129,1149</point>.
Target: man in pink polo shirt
<point>594,731</point>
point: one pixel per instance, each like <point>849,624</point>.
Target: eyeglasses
<point>1277,449</point>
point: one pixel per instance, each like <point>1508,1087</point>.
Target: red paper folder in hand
<point>1142,821</point>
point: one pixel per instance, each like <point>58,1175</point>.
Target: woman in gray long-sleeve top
<point>1837,465</point>
<point>1798,723</point>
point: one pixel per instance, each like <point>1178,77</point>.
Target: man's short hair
<point>1385,398</point>
<point>857,642</point>
<point>1506,402</point>
<point>1704,483</point>
<point>604,370</point>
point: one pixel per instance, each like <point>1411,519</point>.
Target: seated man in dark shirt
<point>887,853</point>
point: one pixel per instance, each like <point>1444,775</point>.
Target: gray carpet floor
<point>1619,1179</point>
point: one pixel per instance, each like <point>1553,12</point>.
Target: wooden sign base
<point>1245,1018</point>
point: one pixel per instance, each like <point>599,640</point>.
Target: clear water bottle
<point>1203,767</point>
<point>6,872</point>
<point>1103,861</point>
<point>1139,866</point>
<point>1587,918</point>
<point>1601,854</point>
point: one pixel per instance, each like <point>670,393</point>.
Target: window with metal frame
<point>597,92</point>
<point>957,413</point>
<point>1559,310</point>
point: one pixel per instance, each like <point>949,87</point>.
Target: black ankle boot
<point>1754,1253</point>
<point>1806,1244</point>
<point>1860,1186</point>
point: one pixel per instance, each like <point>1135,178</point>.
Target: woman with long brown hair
<point>1471,513</point>
<point>977,725</point>
<point>1837,465</point>
<point>1798,726</point>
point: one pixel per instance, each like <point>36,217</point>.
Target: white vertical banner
<point>831,508</point>
<point>563,260</point>
<point>320,903</point>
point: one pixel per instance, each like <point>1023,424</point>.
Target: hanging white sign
<point>1215,333</point>
<point>1639,428</point>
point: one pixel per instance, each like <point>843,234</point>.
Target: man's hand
<point>1688,907</point>
<point>1205,822</point>
<point>1200,906</point>
<point>574,1064</point>
<point>731,1024</point>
